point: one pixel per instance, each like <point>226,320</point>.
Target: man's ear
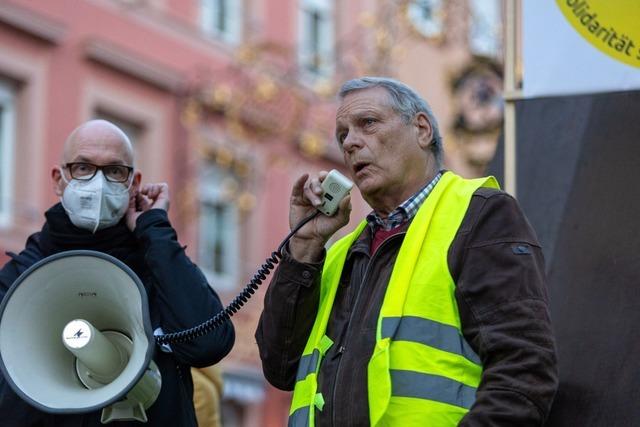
<point>135,182</point>
<point>57,181</point>
<point>425,130</point>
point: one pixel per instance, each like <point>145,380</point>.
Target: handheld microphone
<point>335,186</point>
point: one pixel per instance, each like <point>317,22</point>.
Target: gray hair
<point>404,100</point>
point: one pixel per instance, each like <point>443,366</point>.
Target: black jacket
<point>179,298</point>
<point>497,265</point>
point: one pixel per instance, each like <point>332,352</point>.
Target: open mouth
<point>359,167</point>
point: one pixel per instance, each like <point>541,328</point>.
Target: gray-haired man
<point>433,311</point>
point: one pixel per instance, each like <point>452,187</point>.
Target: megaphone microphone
<point>99,360</point>
<point>75,337</point>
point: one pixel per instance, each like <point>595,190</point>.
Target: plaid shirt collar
<point>406,211</point>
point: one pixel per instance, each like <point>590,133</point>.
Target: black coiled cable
<point>238,301</point>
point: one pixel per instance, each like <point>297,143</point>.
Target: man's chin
<point>368,187</point>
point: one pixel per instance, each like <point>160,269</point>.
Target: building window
<point>222,19</point>
<point>427,17</point>
<point>218,243</point>
<point>7,147</point>
<point>316,37</point>
<point>486,28</point>
<point>133,130</point>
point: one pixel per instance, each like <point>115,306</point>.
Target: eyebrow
<point>359,115</point>
<point>366,112</point>
<point>82,159</point>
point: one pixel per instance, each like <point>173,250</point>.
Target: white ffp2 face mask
<point>95,204</point>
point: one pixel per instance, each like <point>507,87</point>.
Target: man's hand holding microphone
<point>307,245</point>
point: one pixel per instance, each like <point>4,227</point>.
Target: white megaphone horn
<point>75,337</point>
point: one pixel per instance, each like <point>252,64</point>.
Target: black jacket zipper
<point>342,349</point>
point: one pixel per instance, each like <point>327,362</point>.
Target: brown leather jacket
<point>498,267</point>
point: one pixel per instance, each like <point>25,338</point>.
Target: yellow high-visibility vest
<point>422,371</point>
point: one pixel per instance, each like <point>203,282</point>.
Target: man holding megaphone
<point>103,207</point>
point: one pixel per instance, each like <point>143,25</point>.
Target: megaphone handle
<point>98,354</point>
<point>239,300</point>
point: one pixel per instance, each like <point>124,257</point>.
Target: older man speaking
<point>433,311</point>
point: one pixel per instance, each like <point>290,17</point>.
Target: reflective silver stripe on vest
<point>431,387</point>
<point>429,332</point>
<point>308,365</point>
<point>299,418</point>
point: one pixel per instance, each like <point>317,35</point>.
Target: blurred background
<point>229,101</point>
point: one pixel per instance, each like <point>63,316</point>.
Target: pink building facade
<point>228,101</point>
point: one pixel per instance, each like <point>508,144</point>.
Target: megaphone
<point>75,337</point>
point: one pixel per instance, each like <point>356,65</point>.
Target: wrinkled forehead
<point>364,101</point>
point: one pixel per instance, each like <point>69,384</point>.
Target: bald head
<point>95,136</point>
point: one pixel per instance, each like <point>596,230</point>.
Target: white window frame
<point>430,28</point>
<point>326,37</point>
<point>486,28</point>
<point>211,194</point>
<point>209,11</point>
<point>7,150</point>
<point>133,130</point>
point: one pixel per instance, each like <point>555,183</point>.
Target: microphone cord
<point>239,300</point>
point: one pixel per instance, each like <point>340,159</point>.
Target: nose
<point>352,141</point>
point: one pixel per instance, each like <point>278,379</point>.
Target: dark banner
<point>579,183</point>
